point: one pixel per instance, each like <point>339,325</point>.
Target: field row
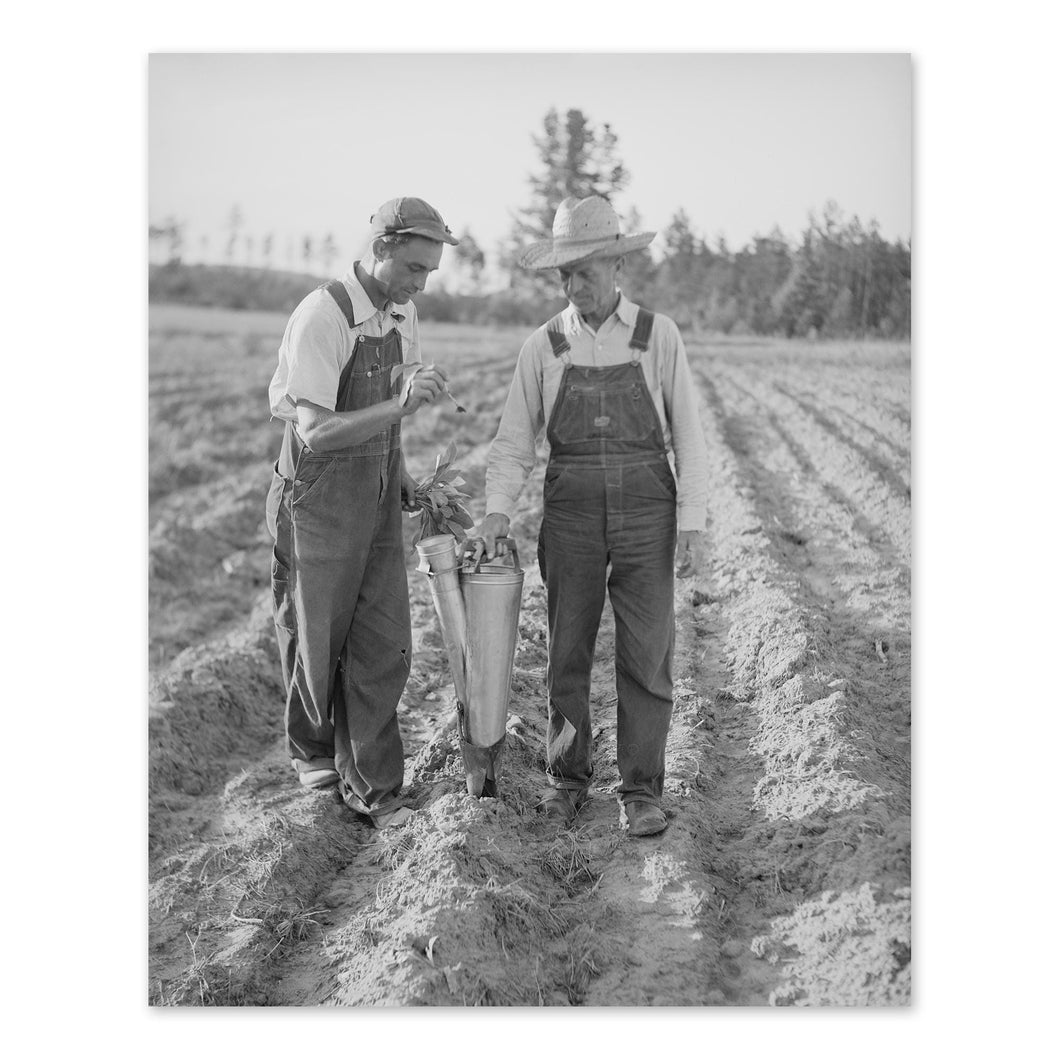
<point>783,876</point>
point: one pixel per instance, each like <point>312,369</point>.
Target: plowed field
<point>783,878</point>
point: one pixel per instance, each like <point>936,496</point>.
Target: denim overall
<point>340,592</point>
<point>610,522</point>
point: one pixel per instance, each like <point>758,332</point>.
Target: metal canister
<point>439,559</point>
<point>492,595</point>
<point>478,610</point>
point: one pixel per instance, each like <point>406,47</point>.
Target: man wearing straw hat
<point>340,593</point>
<point>610,383</point>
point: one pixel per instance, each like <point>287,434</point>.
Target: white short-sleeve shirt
<point>318,342</point>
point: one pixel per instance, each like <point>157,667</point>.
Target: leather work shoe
<point>642,818</point>
<point>319,775</point>
<point>397,815</point>
<point>393,819</point>
<point>562,804</point>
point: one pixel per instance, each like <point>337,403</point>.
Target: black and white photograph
<point>530,529</point>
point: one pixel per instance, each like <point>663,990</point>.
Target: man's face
<point>401,271</point>
<point>590,285</point>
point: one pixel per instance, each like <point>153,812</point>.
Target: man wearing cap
<point>340,594</point>
<point>610,383</point>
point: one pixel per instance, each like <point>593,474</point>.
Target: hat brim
<point>435,234</point>
<point>545,254</point>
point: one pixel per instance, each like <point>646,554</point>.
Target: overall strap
<point>337,290</point>
<point>556,336</point>
<point>641,331</point>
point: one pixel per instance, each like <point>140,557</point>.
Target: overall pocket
<point>605,412</point>
<point>312,470</point>
<point>650,483</point>
<point>628,412</point>
<point>553,477</point>
<point>283,610</point>
<point>664,477</point>
<point>272,501</point>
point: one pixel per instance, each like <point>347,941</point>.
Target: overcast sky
<point>310,144</point>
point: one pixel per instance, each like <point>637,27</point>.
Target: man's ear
<point>381,249</point>
<point>619,262</point>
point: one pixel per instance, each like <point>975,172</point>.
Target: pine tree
<point>576,160</point>
<point>471,261</point>
<point>638,276</point>
<point>682,286</point>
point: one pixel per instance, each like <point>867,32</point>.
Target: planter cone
<point>478,608</point>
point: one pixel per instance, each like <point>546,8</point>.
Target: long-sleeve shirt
<point>536,384</point>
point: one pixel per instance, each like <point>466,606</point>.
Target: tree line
<point>837,278</point>
<point>242,248</point>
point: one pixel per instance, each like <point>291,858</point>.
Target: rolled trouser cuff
<point>355,803</point>
<point>302,765</point>
<point>566,785</point>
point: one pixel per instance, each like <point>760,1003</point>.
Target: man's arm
<point>323,430</point>
<point>690,456</point>
<point>512,454</point>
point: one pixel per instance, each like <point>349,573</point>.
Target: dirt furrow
<point>498,907</point>
<point>879,506</point>
<point>825,546</point>
<point>883,460</point>
<point>861,415</point>
<point>783,874</point>
<point>828,822</point>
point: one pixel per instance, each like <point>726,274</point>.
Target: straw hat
<point>582,228</point>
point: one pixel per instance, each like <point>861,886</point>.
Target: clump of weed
<point>204,981</point>
<point>568,859</point>
<point>520,919</point>
<point>286,924</point>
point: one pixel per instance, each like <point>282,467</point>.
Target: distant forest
<point>838,278</point>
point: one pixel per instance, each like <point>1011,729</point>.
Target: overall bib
<point>340,592</point>
<point>610,522</point>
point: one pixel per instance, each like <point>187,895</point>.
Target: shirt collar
<point>626,311</point>
<point>363,309</point>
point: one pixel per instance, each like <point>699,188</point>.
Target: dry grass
<point>584,963</point>
<point>204,982</point>
<point>569,859</point>
<point>284,924</point>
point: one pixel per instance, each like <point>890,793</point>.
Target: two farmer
<point>610,384</point>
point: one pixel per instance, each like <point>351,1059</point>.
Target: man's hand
<point>408,489</point>
<point>423,387</point>
<point>691,553</point>
<point>485,537</point>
